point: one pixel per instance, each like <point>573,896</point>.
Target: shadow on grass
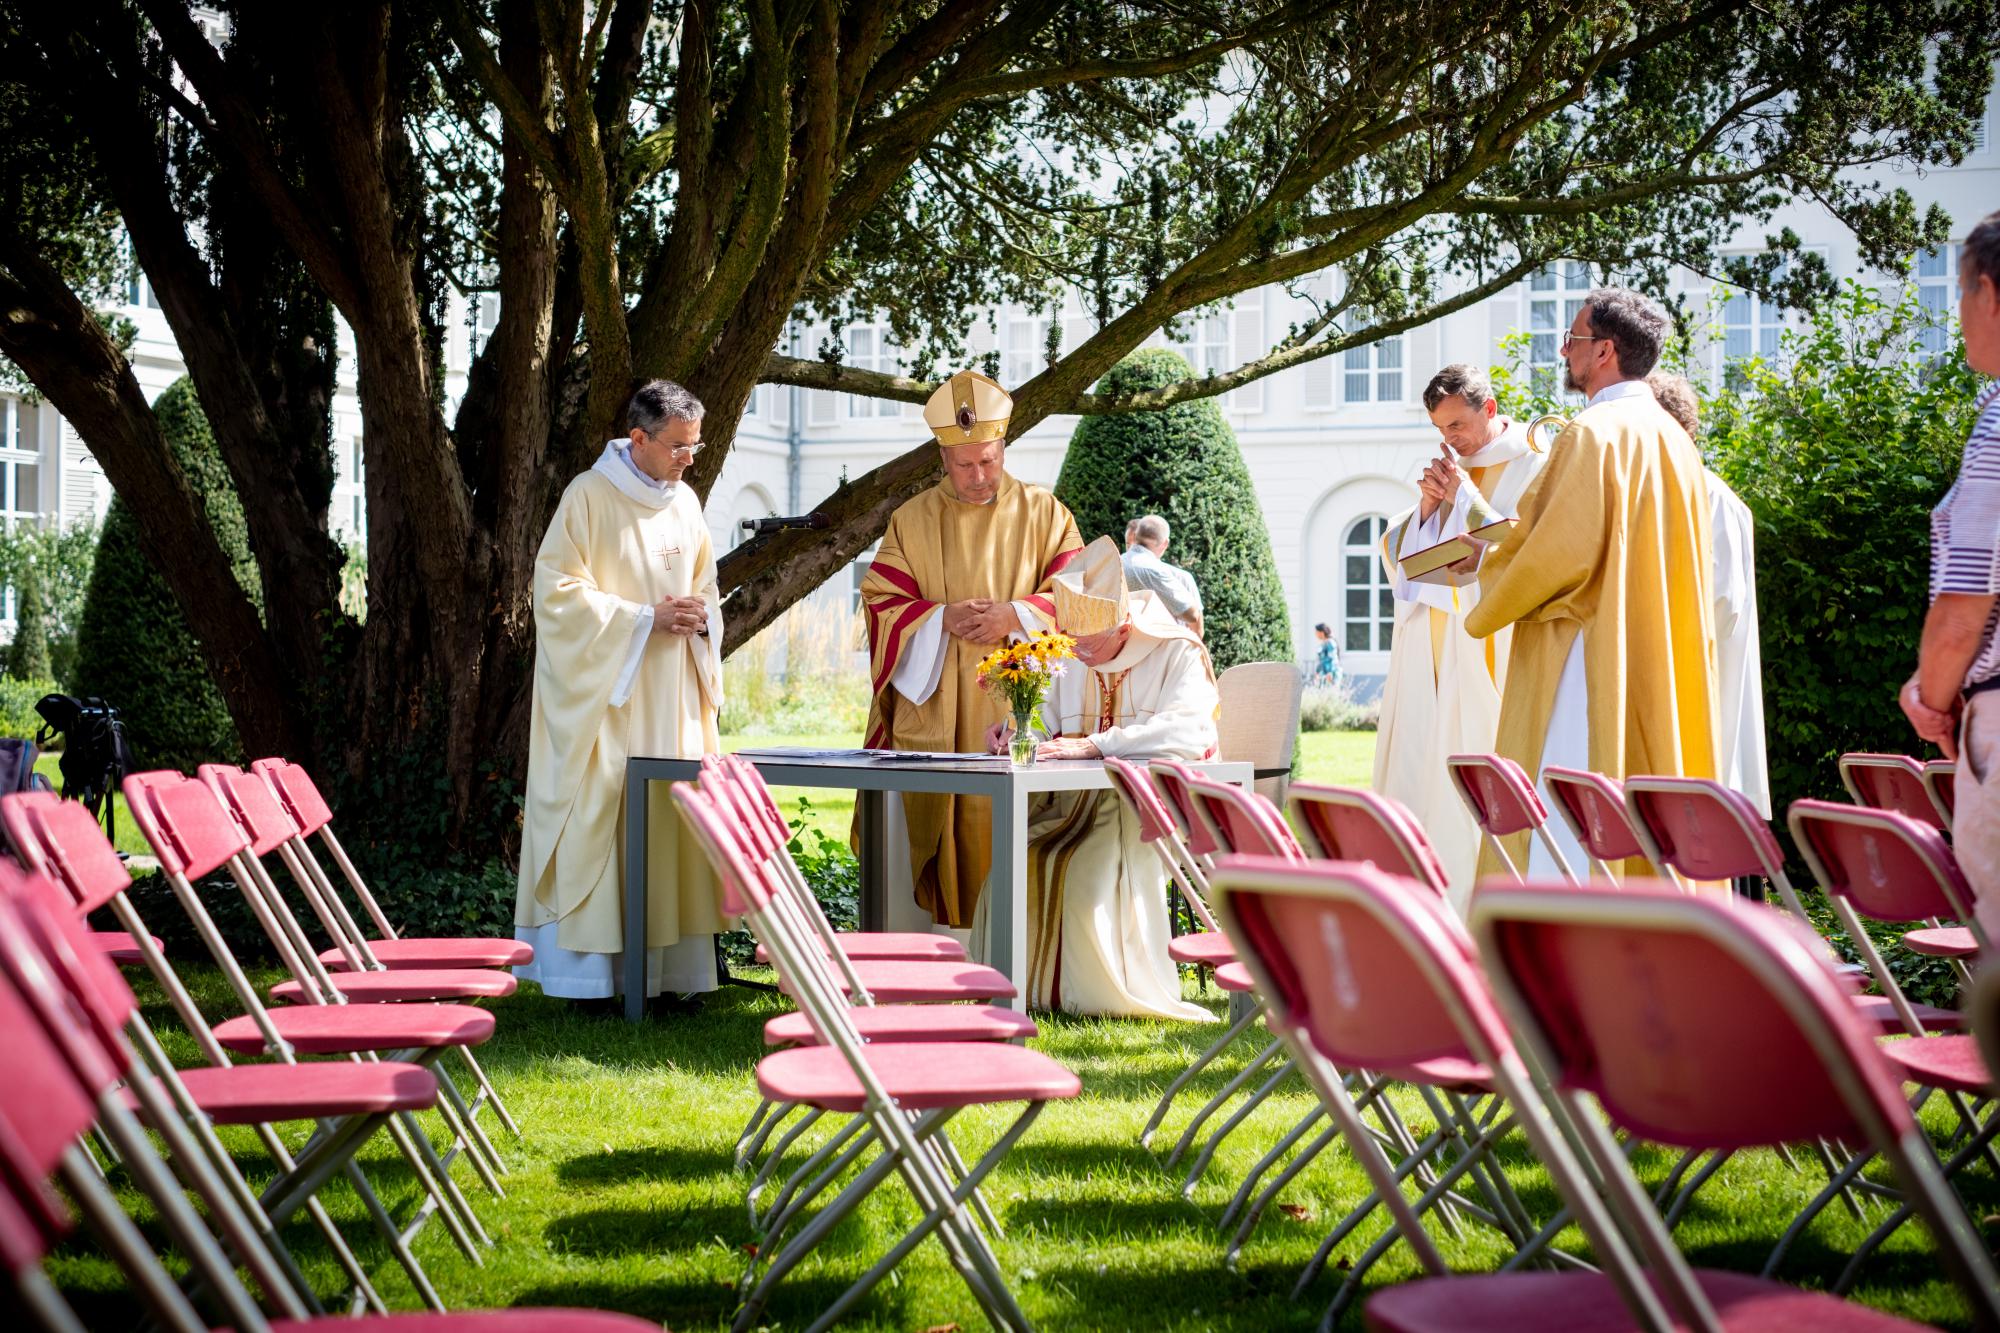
<point>711,1303</point>
<point>611,1232</point>
<point>628,1166</point>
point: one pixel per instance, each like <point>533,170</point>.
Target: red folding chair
<point>1366,969</point>
<point>903,1093</point>
<point>363,979</point>
<point>1886,866</point>
<point>1355,824</point>
<point>194,837</point>
<point>1170,779</point>
<point>1594,983</point>
<point>45,1107</point>
<point>1890,782</point>
<point>1593,806</point>
<point>1503,802</point>
<point>1207,947</point>
<point>301,799</point>
<point>1941,782</point>
<point>64,842</point>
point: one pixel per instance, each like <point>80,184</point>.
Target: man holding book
<point>1443,692</point>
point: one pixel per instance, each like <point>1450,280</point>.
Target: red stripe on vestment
<point>1045,605</point>
<point>892,648</point>
<point>901,578</point>
<point>875,606</point>
<point>1061,562</point>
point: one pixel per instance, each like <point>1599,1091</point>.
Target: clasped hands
<point>679,615</point>
<point>1938,727</point>
<point>980,620</point>
<point>1439,483</point>
<point>1060,747</point>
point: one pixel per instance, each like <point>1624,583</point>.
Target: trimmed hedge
<point>28,655</point>
<point>18,718</point>
<point>134,648</point>
<point>1183,464</point>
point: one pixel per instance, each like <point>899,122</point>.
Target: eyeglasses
<point>1569,338</point>
<point>689,449</point>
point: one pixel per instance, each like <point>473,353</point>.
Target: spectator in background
<point>1326,666</point>
<point>1146,569</point>
<point>1952,699</point>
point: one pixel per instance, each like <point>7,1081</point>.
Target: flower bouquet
<point>1020,673</point>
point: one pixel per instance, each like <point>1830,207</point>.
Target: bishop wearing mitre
<point>1141,688</point>
<point>1442,696</point>
<point>1606,580</point>
<point>963,566</point>
<point>628,661</point>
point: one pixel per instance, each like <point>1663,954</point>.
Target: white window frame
<point>1362,540</point>
<point>1935,273</point>
<point>868,347</point>
<point>485,320</point>
<point>1553,299</point>
<point>1376,372</point>
<point>350,490</point>
<point>1027,349</point>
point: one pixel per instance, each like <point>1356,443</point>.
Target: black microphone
<point>814,522</point>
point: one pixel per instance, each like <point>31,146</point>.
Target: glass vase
<point>1021,745</point>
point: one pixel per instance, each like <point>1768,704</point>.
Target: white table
<point>870,779</point>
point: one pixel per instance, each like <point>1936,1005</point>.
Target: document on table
<point>903,756</point>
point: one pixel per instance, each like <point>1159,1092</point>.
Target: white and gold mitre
<point>1090,591</point>
<point>968,408</point>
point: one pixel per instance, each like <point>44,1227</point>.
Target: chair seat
<point>475,1321</point>
<point>120,947</point>
<point>919,1077</point>
<point>1448,1072</point>
<point>259,1094</point>
<point>1234,977</point>
<point>900,981</point>
<point>472,951</point>
<point>444,983</point>
<point>1210,948</point>
<point>330,1029</point>
<point>1589,1303</point>
<point>912,1022</point>
<point>1951,1063</point>
<point>1878,1010</point>
<point>1942,942</point>
<point>910,944</point>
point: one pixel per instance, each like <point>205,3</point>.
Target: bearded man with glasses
<point>1606,580</point>
<point>628,660</point>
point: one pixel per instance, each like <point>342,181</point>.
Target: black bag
<point>95,756</point>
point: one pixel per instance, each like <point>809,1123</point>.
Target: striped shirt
<point>1965,531</point>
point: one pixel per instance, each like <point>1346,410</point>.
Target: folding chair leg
<point>851,1140</point>
<point>1266,1162</point>
<point>775,1156</point>
<point>948,1151</point>
<point>485,1157</point>
<point>398,1245</point>
<point>364,1290</point>
<point>1237,1117</point>
<point>1201,1062</point>
<point>1285,1177</point>
<point>1229,1089</point>
<point>490,1093</point>
<point>438,1183</point>
<point>1685,1195</point>
<point>764,1107</point>
<point>1977,1146</point>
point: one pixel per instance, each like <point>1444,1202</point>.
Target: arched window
<point>1367,606</point>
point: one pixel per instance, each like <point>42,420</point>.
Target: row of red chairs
<point>371,1002</point>
<point>1876,860</point>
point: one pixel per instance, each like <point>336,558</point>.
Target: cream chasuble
<point>607,687</point>
<point>1739,662</point>
<point>1442,696</point>
<point>1607,582</point>
<point>940,549</point>
<point>1098,923</point>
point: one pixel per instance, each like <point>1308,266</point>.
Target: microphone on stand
<point>813,522</point>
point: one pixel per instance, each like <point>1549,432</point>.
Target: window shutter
<point>1420,348</point>
<point>819,407</point>
<point>1247,344</point>
<point>1316,380</point>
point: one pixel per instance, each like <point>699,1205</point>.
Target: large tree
<point>656,188</point>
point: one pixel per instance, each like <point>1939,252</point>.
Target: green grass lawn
<point>621,1196</point>
<point>129,838</point>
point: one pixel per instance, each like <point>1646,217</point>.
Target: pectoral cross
<point>667,554</point>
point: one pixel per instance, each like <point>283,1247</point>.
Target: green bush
<point>134,648</point>
<point>18,718</point>
<point>1334,708</point>
<point>60,561</point>
<point>1183,464</point>
<point>28,655</point>
<point>829,867</point>
<point>1840,452</point>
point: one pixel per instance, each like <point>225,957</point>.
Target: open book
<point>1433,563</point>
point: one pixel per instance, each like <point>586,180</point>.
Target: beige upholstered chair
<point>1260,718</point>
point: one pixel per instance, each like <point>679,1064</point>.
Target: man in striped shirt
<point>1953,700</point>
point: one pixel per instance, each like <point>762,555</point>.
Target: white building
<point>1333,446</point>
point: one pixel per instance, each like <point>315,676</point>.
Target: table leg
<point>873,810</point>
<point>1007,917</point>
<point>635,897</point>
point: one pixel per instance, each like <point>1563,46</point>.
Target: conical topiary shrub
<point>134,648</point>
<point>28,655</point>
<point>1183,464</point>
